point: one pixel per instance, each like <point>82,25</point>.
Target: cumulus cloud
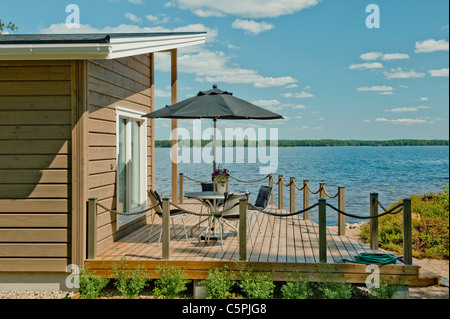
<point>408,109</point>
<point>401,121</point>
<point>299,95</point>
<point>399,73</point>
<point>247,8</point>
<point>371,56</point>
<point>366,66</point>
<point>376,88</point>
<point>439,73</point>
<point>394,56</point>
<point>133,17</point>
<point>251,26</point>
<point>431,45</point>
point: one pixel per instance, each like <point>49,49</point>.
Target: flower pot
<point>220,188</point>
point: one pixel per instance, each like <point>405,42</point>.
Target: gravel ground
<point>16,294</point>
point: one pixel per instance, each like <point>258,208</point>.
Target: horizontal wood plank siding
<point>116,83</point>
<point>35,187</point>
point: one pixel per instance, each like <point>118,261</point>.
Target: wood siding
<point>35,176</point>
<point>124,83</point>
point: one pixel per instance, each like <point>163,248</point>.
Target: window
<point>131,164</point>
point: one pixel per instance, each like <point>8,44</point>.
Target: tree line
<point>319,143</point>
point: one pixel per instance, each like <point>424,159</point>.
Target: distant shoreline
<point>315,143</point>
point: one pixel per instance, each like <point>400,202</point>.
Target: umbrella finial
<point>215,86</point>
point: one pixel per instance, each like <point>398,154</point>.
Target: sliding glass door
<point>131,164</point>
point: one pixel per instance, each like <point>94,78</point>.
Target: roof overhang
<point>93,46</point>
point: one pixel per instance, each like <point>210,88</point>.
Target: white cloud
<point>299,95</point>
<point>136,1</point>
<point>251,26</point>
<point>371,56</point>
<point>408,109</point>
<point>247,8</point>
<point>265,103</point>
<point>400,74</point>
<point>401,121</point>
<point>376,88</point>
<point>366,66</point>
<point>423,99</point>
<point>441,72</point>
<point>431,45</point>
<point>162,18</point>
<point>408,121</point>
<point>132,17</point>
<point>291,86</point>
<point>394,56</point>
<point>299,107</point>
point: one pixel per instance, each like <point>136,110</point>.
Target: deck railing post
<point>322,230</point>
<point>292,195</point>
<point>271,185</point>
<point>341,207</point>
<point>322,190</point>
<point>92,229</point>
<point>243,229</point>
<point>280,192</point>
<point>306,199</point>
<point>181,188</point>
<point>166,229</point>
<point>407,237</point>
<point>374,221</point>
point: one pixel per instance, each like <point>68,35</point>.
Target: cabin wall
<point>124,83</point>
<point>35,166</point>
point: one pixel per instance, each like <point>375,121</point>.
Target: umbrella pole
<point>214,145</point>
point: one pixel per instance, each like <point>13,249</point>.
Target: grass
<point>430,222</point>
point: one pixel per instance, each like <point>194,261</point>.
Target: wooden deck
<point>292,245</point>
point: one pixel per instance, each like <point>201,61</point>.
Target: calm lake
<point>392,172</point>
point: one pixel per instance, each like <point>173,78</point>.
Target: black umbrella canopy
<point>214,104</point>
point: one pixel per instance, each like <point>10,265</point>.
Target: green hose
<point>374,258</point>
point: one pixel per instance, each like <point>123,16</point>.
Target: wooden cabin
<point>71,128</point>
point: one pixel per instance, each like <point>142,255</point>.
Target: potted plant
<point>220,178</point>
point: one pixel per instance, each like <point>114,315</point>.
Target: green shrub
<point>296,288</point>
<point>256,285</point>
<point>219,283</point>
<point>91,285</point>
<point>430,222</point>
<point>386,290</point>
<point>130,283</point>
<point>171,283</point>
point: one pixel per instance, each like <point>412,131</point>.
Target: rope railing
<point>216,213</point>
<point>253,207</point>
<point>250,182</point>
<point>127,213</point>
<point>392,211</point>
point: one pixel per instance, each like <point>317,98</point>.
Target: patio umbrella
<point>214,104</point>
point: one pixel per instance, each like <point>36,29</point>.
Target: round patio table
<point>211,196</point>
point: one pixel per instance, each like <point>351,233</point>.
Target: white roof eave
<point>117,48</point>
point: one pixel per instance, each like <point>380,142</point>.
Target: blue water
<point>392,172</point>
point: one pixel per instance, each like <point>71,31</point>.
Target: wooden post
<point>407,236</point>
<point>92,229</point>
<point>181,188</point>
<point>306,199</point>
<point>292,195</point>
<point>243,229</point>
<point>174,137</point>
<point>374,221</point>
<point>280,192</point>
<point>322,230</point>
<point>341,207</point>
<point>166,229</point>
<point>271,185</point>
<point>323,190</point>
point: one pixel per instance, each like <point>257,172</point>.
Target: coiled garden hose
<point>374,258</point>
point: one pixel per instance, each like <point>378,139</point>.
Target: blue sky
<point>314,61</point>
